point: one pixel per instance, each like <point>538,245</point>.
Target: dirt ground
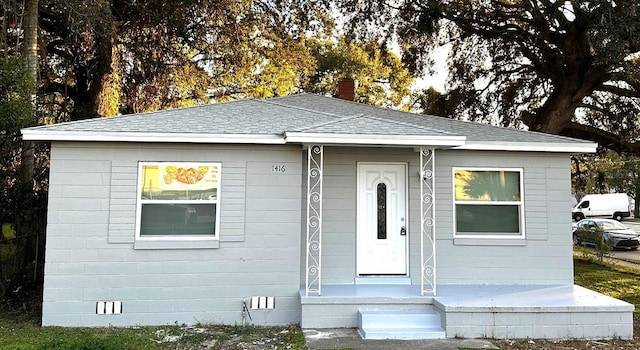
<point>575,344</point>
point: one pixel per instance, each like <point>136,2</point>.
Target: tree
<point>22,204</point>
<point>111,57</point>
<point>607,172</point>
<point>382,79</point>
<point>30,54</point>
<point>543,64</point>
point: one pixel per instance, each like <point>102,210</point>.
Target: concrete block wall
<point>538,324</point>
<point>544,257</point>
<point>90,255</point>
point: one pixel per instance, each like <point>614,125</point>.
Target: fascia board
<point>586,147</point>
<point>38,135</point>
<point>367,139</point>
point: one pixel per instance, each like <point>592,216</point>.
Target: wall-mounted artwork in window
<point>178,199</point>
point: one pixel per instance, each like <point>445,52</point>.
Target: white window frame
<point>177,241</point>
<point>496,238</point>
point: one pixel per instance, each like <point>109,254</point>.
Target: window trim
<point>467,238</point>
<point>176,241</point>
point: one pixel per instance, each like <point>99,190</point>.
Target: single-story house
<point>319,211</point>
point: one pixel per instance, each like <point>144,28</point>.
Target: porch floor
<point>505,298</point>
<point>518,298</point>
<point>476,311</point>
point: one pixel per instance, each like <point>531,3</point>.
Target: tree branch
<point>618,90</point>
<point>52,48</point>
<point>604,138</point>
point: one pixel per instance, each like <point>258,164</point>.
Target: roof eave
<point>558,147</point>
<point>40,135</point>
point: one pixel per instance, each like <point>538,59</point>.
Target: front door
<point>382,219</point>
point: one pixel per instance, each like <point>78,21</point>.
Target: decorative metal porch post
<point>313,270</point>
<point>427,222</point>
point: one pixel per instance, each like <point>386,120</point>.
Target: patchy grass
<point>615,281</point>
<point>20,329</point>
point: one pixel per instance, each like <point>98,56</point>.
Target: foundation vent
<point>263,303</point>
<point>108,307</point>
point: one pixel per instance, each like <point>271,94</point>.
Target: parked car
<point>615,234</point>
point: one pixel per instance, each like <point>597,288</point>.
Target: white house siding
<point>91,222</point>
<point>339,205</point>
<point>543,258</point>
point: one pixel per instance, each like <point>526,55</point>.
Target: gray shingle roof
<point>473,131</point>
<point>238,117</point>
<point>306,114</point>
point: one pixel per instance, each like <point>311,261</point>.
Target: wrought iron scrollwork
<point>314,220</point>
<point>427,209</point>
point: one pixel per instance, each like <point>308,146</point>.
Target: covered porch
<point>413,305</point>
<point>404,282</point>
<point>367,297</point>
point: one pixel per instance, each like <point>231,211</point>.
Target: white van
<point>612,205</point>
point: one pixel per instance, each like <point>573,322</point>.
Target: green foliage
<point>431,101</point>
<point>16,88</point>
<point>179,54</point>
<point>8,258</point>
<point>7,232</point>
<point>602,250</point>
<point>17,335</point>
<point>381,78</point>
<point>561,67</point>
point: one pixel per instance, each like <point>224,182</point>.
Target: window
<point>177,202</point>
<point>488,203</point>
<point>382,210</point>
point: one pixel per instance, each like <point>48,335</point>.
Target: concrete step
<point>400,324</point>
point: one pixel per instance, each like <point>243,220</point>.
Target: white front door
<point>382,220</point>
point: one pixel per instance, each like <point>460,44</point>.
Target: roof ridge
<point>338,120</point>
<point>408,124</point>
<point>271,101</point>
<point>341,119</point>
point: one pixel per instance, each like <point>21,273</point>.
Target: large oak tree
<point>116,56</point>
<point>560,67</point>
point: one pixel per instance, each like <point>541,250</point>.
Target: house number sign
<point>278,168</point>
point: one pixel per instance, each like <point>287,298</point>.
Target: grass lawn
<point>618,282</point>
<point>20,329</point>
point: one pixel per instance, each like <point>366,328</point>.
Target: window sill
<point>490,241</point>
<point>176,244</point>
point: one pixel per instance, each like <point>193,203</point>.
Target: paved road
<point>633,224</point>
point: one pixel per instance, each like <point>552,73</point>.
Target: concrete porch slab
<point>518,298</point>
<point>539,312</point>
